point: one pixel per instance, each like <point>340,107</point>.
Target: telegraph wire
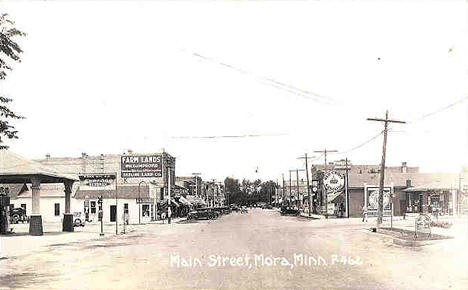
<point>361,145</point>
<point>271,82</point>
<point>439,110</point>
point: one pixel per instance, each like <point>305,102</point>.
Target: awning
<point>195,200</point>
<point>172,201</point>
<point>184,201</point>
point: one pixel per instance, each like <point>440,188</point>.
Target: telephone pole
<point>382,169</point>
<point>282,191</point>
<point>308,185</point>
<point>289,199</point>
<point>325,151</point>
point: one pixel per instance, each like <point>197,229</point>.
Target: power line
<point>271,82</point>
<point>227,136</point>
<point>439,110</point>
<point>361,145</point>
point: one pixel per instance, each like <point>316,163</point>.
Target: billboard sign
<point>141,166</point>
<point>98,181</point>
<point>372,200</point>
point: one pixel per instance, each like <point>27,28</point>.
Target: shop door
<point>113,213</point>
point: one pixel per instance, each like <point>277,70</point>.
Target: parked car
<point>286,210</point>
<point>79,219</point>
<point>18,215</point>
<point>202,213</point>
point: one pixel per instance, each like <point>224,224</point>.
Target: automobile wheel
<point>15,218</point>
<point>77,222</point>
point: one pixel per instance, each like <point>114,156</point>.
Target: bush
<point>445,225</point>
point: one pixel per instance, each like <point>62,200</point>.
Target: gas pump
<point>4,209</point>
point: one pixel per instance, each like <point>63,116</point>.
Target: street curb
<point>411,243</point>
<point>313,216</point>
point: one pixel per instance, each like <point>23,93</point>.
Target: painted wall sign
<point>141,166</point>
<point>97,181</point>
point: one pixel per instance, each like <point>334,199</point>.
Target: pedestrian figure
<point>341,210</point>
<point>364,213</point>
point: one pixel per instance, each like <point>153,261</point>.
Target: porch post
<point>35,222</point>
<point>425,205</point>
<point>67,225</point>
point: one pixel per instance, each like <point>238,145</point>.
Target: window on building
<point>93,207</point>
<point>125,207</point>
<point>57,209</point>
<point>145,210</point>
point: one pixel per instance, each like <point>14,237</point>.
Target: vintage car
<point>235,208</point>
<point>79,219</point>
<point>18,215</point>
<point>287,210</point>
<point>202,213</point>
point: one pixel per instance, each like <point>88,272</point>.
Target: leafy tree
<point>9,52</point>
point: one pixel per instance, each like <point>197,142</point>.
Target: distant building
<point>414,192</point>
<point>141,181</point>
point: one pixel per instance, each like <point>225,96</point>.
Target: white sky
<point>104,77</point>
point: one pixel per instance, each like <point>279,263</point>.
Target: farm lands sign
<point>140,166</point>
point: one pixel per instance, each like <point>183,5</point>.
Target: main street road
<point>142,259</point>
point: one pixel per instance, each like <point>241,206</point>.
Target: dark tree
<point>9,53</point>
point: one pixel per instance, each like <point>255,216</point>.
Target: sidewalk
<point>21,243</point>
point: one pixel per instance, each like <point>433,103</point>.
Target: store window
<point>145,210</point>
<point>93,207</point>
<point>126,208</point>
<point>57,209</point>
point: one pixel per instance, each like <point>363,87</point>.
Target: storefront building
<point>142,182</point>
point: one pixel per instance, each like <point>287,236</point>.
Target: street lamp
<point>139,201</point>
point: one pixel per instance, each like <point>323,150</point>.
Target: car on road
<point>18,215</point>
<point>202,213</point>
<point>79,219</point>
<point>235,208</point>
<point>286,210</point>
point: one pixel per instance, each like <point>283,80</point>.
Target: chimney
<point>408,183</point>
<point>404,167</point>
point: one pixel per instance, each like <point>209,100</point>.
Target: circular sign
<point>333,181</point>
<point>374,199</point>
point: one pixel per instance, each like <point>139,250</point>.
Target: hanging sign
<point>333,181</point>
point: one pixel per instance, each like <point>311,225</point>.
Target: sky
<point>105,77</point>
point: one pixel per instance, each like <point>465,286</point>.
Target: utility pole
<point>289,199</point>
<point>325,151</point>
<point>196,182</point>
<point>282,191</point>
<point>308,185</point>
<point>382,169</point>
